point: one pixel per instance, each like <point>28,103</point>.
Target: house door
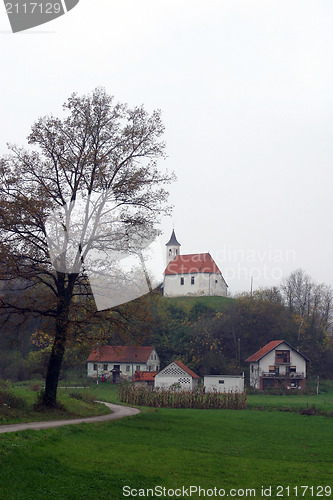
<point>116,374</point>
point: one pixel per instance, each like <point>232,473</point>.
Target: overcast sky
<point>245,87</point>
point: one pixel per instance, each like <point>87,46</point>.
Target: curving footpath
<point>118,411</point>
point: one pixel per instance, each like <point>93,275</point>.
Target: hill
<point>216,303</point>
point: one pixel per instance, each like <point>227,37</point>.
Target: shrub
<point>8,399</point>
<point>36,387</point>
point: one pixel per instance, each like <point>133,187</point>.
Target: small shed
<point>224,383</point>
<point>144,379</point>
<point>177,375</point>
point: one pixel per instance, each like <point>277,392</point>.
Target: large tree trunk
<point>54,366</point>
<point>59,344</point>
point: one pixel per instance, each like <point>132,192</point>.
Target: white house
<point>276,364</point>
<point>192,274</point>
<point>178,375</point>
<point>224,383</point>
<point>115,361</point>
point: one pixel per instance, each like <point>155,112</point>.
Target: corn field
<point>140,396</point>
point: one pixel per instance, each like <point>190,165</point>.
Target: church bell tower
<point>172,248</point>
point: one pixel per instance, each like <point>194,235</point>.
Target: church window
<point>170,251</point>
<point>182,280</point>
<point>192,280</point>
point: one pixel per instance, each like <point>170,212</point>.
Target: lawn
<point>169,448</point>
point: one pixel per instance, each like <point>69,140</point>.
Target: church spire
<point>173,239</point>
<point>173,248</point>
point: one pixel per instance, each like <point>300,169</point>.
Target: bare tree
<point>103,154</point>
<point>311,303</point>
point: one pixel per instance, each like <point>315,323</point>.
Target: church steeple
<point>172,248</point>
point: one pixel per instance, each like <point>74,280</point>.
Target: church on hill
<point>194,274</point>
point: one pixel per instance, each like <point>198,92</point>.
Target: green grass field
<point>216,303</point>
<point>230,450</point>
<point>171,448</point>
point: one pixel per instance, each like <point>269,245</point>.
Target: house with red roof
<point>115,362</point>
<point>193,274</point>
<point>277,364</point>
<point>178,375</point>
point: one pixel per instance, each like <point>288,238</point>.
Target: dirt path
<point>117,412</point>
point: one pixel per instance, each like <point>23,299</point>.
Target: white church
<point>191,275</point>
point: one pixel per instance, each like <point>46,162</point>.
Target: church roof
<point>192,263</point>
<point>173,239</point>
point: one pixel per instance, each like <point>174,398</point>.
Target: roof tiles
<point>191,264</point>
<point>186,369</point>
<point>144,376</point>
<point>121,354</point>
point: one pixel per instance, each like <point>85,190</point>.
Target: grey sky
<point>246,93</point>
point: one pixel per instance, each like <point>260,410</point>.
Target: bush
<point>9,400</point>
<point>36,387</point>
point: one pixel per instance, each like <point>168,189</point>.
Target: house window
<point>157,368</point>
<point>137,368</point>
<point>252,368</point>
<point>282,356</point>
<point>128,368</point>
<point>192,280</point>
<point>149,368</point>
<point>95,367</point>
<point>273,369</point>
<point>221,381</point>
<point>155,357</point>
<point>215,281</point>
<point>105,367</point>
<point>182,281</point>
<point>170,251</point>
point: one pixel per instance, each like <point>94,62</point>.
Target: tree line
<point>214,341</point>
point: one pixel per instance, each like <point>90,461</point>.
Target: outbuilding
<point>224,383</point>
<point>176,375</point>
